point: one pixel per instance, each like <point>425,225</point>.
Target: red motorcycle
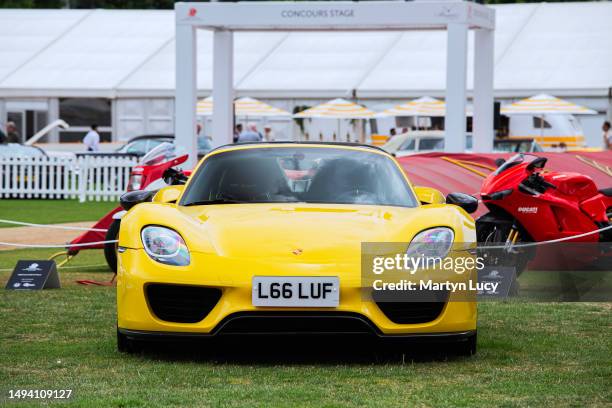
<point>527,204</point>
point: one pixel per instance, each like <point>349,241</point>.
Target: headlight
<point>165,246</point>
<point>433,243</point>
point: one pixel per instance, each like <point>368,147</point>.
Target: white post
<point>483,90</point>
<point>83,165</point>
<point>456,68</point>
<point>186,92</point>
<point>53,114</point>
<point>223,88</point>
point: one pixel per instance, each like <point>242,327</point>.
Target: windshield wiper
<point>216,201</point>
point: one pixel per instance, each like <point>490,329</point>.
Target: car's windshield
<point>407,145</point>
<point>518,146</point>
<point>431,144</point>
<point>303,174</point>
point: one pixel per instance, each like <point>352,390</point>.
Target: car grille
<point>181,303</point>
<point>425,307</point>
<point>297,322</point>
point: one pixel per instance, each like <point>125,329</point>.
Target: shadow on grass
<point>273,350</point>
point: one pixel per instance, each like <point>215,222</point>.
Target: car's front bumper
<point>372,334</point>
<point>136,317</point>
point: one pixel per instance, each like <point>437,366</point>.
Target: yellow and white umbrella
<point>424,106</point>
<point>244,107</point>
<point>543,104</point>
<point>337,109</point>
<point>204,107</point>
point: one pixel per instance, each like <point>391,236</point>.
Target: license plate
<point>296,291</point>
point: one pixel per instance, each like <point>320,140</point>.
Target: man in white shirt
<point>92,139</point>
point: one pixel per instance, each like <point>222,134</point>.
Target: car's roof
<point>258,145</point>
<point>414,134</point>
<point>19,149</point>
<point>515,139</point>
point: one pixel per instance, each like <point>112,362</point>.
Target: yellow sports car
<point>267,238</point>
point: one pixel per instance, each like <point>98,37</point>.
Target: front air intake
<point>181,303</point>
<point>411,307</point>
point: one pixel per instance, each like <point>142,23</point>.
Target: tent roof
<point>557,48</point>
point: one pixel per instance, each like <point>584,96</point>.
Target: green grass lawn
<point>529,355</point>
<point>52,211</point>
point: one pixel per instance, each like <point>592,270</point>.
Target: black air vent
<point>413,308</point>
<point>181,303</point>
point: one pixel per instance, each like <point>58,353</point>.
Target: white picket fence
<point>86,178</point>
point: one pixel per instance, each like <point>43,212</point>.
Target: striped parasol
<point>544,104</point>
<point>248,107</point>
<point>424,106</point>
<point>337,109</point>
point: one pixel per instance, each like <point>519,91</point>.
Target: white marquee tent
<point>558,48</point>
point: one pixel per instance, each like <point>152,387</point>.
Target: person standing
<point>607,135</point>
<point>237,132</point>
<point>12,134</point>
<point>250,135</point>
<point>92,139</point>
<point>268,135</point>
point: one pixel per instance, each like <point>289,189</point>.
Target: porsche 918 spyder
<point>266,238</point>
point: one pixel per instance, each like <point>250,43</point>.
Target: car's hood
<point>313,232</point>
<point>316,233</point>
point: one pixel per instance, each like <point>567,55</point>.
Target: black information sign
<point>495,281</point>
<point>34,275</point>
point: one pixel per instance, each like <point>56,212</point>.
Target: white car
<point>415,142</point>
<point>411,143</point>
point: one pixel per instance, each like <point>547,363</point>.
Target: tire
<point>467,348</point>
<point>110,250</point>
<point>126,345</point>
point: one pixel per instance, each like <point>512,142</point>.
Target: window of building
<point>81,113</point>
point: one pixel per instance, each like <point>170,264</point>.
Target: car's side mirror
<point>428,195</point>
<point>130,199</point>
<point>465,201</point>
<point>168,194</point>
